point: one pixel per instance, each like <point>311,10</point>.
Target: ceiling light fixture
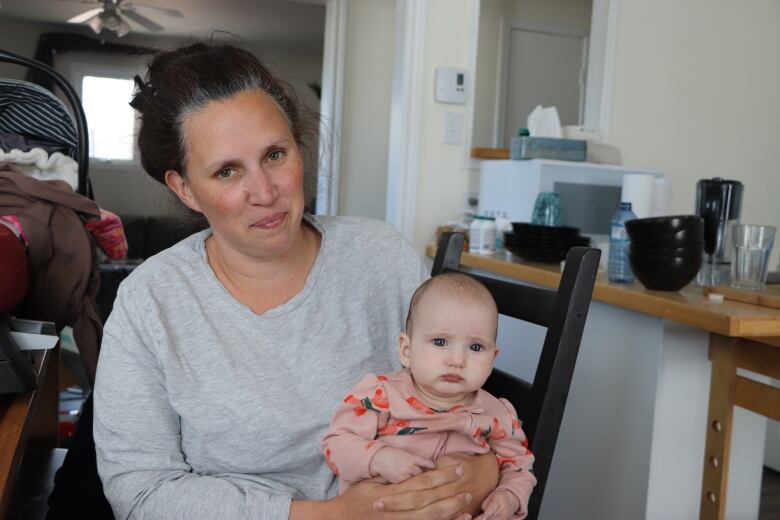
<point>109,21</point>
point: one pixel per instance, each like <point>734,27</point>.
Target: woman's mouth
<point>452,378</point>
<point>271,222</point>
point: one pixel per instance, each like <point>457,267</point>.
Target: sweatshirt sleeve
<point>515,460</point>
<point>350,442</point>
<point>138,437</point>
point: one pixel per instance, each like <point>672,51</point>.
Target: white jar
<point>482,235</point>
<point>487,244</point>
<point>475,234</point>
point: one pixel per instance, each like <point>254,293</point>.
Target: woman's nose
<point>260,187</point>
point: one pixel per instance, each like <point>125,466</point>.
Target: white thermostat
<point>451,85</point>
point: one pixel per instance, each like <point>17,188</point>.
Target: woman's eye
<point>439,342</point>
<point>476,347</point>
<point>276,155</point>
<point>226,173</point>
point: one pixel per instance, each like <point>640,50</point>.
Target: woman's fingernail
<point>469,498</point>
<point>379,505</point>
<point>467,517</point>
<point>459,471</point>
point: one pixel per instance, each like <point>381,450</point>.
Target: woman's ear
<point>176,182</point>
<point>404,349</point>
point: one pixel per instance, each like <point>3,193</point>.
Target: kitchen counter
<point>688,306</point>
<point>655,369</point>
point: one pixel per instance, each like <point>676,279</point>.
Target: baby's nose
<point>457,357</point>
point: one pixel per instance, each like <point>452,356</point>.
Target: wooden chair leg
<point>719,423</point>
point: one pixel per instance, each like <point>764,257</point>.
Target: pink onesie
<point>385,411</point>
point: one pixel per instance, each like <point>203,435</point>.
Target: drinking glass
<point>547,209</point>
<point>752,246</point>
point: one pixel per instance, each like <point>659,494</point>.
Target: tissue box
<point>524,147</point>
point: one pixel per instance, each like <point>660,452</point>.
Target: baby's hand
<point>397,465</point>
<point>499,505</point>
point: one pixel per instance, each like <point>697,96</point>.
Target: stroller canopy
<point>32,112</point>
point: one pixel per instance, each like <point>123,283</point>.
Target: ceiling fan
<point>113,16</point>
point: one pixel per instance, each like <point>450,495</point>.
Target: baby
<point>394,426</point>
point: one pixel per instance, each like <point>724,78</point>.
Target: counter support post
<point>719,423</point>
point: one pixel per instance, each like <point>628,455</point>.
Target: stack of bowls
<point>666,252</point>
<point>538,243</point>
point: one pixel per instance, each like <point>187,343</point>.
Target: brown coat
<point>64,278</point>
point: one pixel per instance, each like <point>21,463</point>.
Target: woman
<point>224,354</point>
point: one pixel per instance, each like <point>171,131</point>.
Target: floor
<point>770,495</point>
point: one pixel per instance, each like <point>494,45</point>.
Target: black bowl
<point>673,230</point>
<point>659,226</point>
<point>664,273</point>
<point>683,238</point>
<point>534,254</point>
<point>689,249</point>
<point>526,229</point>
<point>547,242</point>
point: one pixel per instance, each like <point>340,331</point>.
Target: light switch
<point>453,125</point>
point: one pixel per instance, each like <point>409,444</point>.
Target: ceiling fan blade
<point>86,15</point>
<point>174,13</point>
<point>143,21</point>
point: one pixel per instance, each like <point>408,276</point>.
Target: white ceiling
<point>282,22</point>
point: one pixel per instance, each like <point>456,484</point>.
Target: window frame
<point>105,66</point>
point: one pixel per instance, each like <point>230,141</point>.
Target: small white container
<point>482,235</point>
<point>487,244</point>
<point>475,234</point>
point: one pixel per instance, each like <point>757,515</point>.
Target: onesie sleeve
<point>515,460</point>
<point>350,442</point>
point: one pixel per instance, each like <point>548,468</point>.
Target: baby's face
<point>452,347</point>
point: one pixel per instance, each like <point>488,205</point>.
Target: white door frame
<point>331,107</point>
<point>509,25</point>
<point>406,100</point>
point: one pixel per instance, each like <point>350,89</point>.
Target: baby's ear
<point>495,353</point>
<point>404,349</point>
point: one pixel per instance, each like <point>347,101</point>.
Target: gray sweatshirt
<point>205,410</point>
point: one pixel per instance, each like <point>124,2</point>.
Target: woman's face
<point>244,172</point>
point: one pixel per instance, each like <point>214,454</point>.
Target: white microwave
<point>590,193</point>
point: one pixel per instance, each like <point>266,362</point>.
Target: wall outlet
<point>453,127</point>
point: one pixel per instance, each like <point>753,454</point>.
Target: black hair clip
<point>143,92</point>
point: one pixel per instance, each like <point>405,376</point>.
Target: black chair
<point>540,405</point>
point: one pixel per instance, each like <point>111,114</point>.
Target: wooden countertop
<point>27,416</point>
<point>688,306</point>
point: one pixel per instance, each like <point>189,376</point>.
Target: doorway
<point>541,66</point>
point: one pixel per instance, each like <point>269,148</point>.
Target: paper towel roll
<point>638,190</point>
<point>662,197</point>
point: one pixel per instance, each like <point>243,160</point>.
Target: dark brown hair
<point>185,80</point>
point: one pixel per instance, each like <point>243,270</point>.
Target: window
<point>110,119</point>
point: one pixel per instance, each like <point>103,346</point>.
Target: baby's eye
<point>226,173</point>
<point>476,347</point>
<point>439,342</point>
<point>276,155</point>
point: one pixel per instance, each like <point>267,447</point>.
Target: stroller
<point>32,118</point>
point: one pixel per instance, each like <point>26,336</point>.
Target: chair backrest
<point>540,404</point>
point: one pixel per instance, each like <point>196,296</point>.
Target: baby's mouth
<point>452,378</point>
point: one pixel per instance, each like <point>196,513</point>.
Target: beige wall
<point>365,124</point>
<point>442,188</point>
<point>696,95</point>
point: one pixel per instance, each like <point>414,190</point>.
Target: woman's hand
<point>480,477</point>
<point>423,497</point>
<point>454,491</point>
